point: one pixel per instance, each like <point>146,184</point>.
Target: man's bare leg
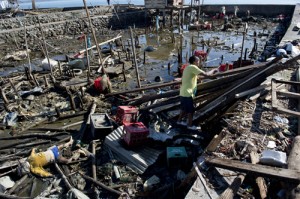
<point>181,115</point>
<point>190,119</point>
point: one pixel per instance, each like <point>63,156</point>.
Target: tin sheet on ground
<point>139,158</point>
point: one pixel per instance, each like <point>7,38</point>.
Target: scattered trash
<point>150,184</point>
<point>6,183</point>
<point>10,119</point>
<point>271,145</point>
<point>274,158</point>
<point>281,120</point>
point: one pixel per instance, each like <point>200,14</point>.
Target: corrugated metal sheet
<point>140,158</point>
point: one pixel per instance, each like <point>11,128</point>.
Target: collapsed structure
<point>122,124</point>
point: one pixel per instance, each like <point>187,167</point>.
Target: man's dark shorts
<point>187,104</point>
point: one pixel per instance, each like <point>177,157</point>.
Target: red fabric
<point>97,84</point>
<point>183,67</point>
<point>200,53</point>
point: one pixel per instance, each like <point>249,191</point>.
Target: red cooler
<point>135,134</point>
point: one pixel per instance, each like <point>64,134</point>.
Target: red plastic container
<point>135,134</point>
<point>126,114</point>
<point>222,67</point>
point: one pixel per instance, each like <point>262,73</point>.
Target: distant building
<point>159,4</point>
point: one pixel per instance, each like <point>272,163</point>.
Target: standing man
<point>188,91</point>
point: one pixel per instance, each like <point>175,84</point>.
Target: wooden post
<point>293,163</point>
<point>71,100</point>
<point>45,46</point>
<point>191,11</point>
<point>135,61</point>
<point>199,11</point>
<point>181,43</point>
<point>171,18</point>
<point>94,35</point>
<point>15,89</point>
<point>173,38</point>
<point>46,82</point>
<point>26,45</point>
<point>33,5</point>
<point>87,57</point>
<point>164,18</point>
<point>144,62</point>
<point>94,161</point>
<point>3,96</point>
<point>244,34</point>
<point>35,80</point>
<point>124,75</point>
<point>245,55</point>
<point>183,13</point>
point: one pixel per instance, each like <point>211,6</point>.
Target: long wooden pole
<point>94,35</point>
<point>45,46</point>
<point>244,34</point>
<point>135,61</point>
<point>87,57</point>
<point>26,45</point>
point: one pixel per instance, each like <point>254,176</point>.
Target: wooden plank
<point>286,111</point>
<point>230,192</point>
<point>289,94</point>
<point>287,82</point>
<point>274,96</point>
<point>261,170</point>
<point>260,181</point>
<point>251,91</point>
<point>214,108</point>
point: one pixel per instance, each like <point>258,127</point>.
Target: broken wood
<point>294,163</point>
<point>230,192</point>
<point>254,79</point>
<point>135,61</point>
<point>261,183</point>
<point>35,135</point>
<point>202,180</point>
<point>5,196</point>
<point>101,184</point>
<point>213,144</point>
<point>3,96</point>
<point>17,184</point>
<point>94,35</point>
<point>261,170</point>
<point>252,91</point>
<point>45,46</point>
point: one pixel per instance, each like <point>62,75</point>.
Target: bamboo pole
<point>135,61</point>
